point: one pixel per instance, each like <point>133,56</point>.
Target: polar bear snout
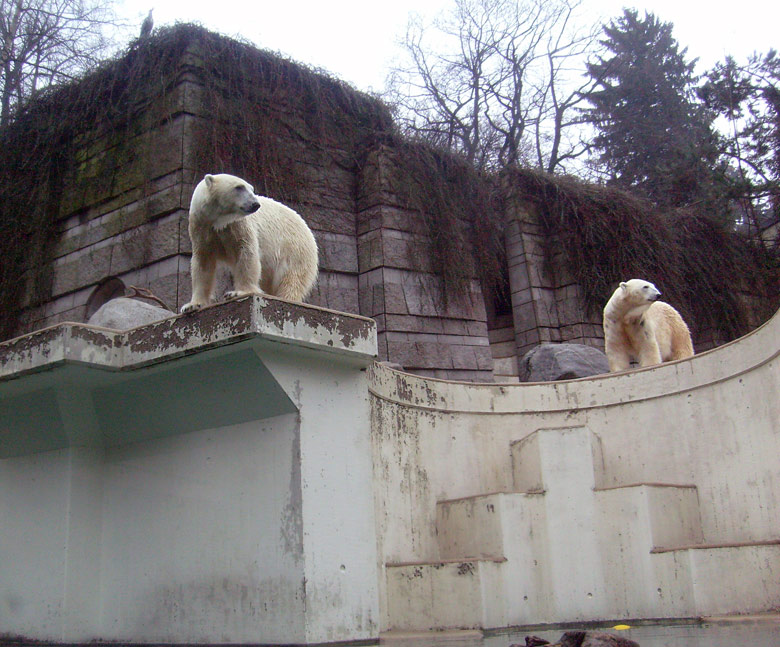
<point>649,292</point>
<point>250,205</point>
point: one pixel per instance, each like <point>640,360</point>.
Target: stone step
<point>568,549</point>
<point>480,526</point>
<point>448,594</point>
<point>681,582</point>
<point>542,458</point>
<point>547,537</point>
<point>734,578</point>
<point>666,514</point>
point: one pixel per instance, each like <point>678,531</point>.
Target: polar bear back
<point>671,332</point>
<point>285,241</point>
<point>665,324</point>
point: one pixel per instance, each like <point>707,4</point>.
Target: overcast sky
<point>356,40</point>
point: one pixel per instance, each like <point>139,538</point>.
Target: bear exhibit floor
<point>729,631</point>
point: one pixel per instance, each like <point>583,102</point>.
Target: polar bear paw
<point>190,307</point>
<point>238,294</point>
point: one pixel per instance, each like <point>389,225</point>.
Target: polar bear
<point>637,326</point>
<point>267,245</point>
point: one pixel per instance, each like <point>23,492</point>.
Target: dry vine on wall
<point>460,211</point>
<point>608,236</point>
<point>43,164</point>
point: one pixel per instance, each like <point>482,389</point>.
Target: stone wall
<point>547,304</point>
<point>123,212</point>
<point>124,216</point>
<point>398,287</point>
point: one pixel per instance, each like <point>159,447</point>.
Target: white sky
<point>356,40</point>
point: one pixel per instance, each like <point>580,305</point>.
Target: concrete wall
<point>236,475</point>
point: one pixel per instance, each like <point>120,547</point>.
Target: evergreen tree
<point>653,137</point>
<point>747,96</point>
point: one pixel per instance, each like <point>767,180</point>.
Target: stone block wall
<point>123,212</point>
<point>398,287</point>
<point>547,304</point>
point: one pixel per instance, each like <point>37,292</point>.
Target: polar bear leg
<point>293,286</point>
<point>650,353</point>
<point>246,275</point>
<point>618,361</point>
<point>202,270</point>
<point>618,357</point>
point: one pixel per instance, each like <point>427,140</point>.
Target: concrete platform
<point>204,479</point>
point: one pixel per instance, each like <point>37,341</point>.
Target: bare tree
<point>558,123</point>
<point>494,80</point>
<point>44,42</point>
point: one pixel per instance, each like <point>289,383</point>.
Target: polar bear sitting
<point>637,326</point>
<point>267,245</point>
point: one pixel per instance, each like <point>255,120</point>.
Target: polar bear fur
<point>639,327</point>
<point>268,246</point>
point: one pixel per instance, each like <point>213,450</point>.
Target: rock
<point>581,639</point>
<point>535,641</point>
<point>123,313</point>
<point>552,362</point>
<point>394,365</point>
<point>594,639</point>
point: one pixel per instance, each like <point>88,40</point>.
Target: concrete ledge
<point>205,479</point>
<point>734,544</point>
<point>725,362</point>
<point>443,562</point>
<point>77,385</point>
<point>265,318</point>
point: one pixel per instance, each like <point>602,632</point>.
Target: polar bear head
<point>631,298</point>
<point>637,292</point>
<point>222,198</point>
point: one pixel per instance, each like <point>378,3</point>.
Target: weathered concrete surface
<point>265,318</point>
<point>203,479</point>
<point>627,495</point>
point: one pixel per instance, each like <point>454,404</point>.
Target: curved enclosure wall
<point>695,441</point>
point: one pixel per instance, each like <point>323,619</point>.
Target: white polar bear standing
<point>637,326</point>
<point>267,245</point>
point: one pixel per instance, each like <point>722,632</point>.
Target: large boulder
<point>123,313</point>
<point>552,362</point>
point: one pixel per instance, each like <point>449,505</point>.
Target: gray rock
<point>123,313</point>
<point>594,639</point>
<point>394,365</point>
<point>581,639</point>
<point>552,362</point>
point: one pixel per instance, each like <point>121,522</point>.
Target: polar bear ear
<point>209,180</point>
<point>624,285</point>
